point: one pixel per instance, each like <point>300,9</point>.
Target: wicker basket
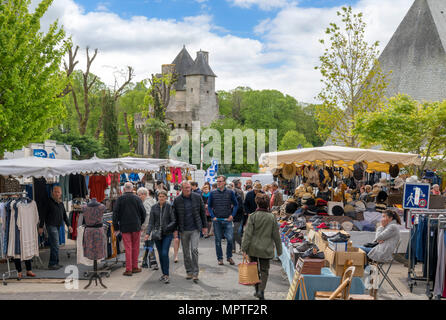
<point>248,274</point>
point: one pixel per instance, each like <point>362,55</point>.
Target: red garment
<point>108,179</point>
<point>131,245</point>
<point>97,186</point>
<point>271,202</point>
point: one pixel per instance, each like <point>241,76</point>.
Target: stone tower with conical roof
<point>195,98</point>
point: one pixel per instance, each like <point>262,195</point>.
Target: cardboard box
<point>312,266</point>
<point>338,246</point>
<point>337,259</point>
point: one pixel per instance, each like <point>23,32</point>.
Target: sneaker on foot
<point>231,262</point>
<point>127,273</point>
<point>136,270</point>
<point>166,279</point>
<point>220,262</point>
<point>189,277</point>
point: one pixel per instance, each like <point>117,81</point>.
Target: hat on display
<point>289,171</point>
<point>349,210</point>
<point>311,202</point>
<point>412,179</point>
<point>321,202</point>
<point>382,182</point>
<point>337,211</point>
<point>347,226</point>
<point>380,207</point>
<point>359,206</point>
<point>381,197</point>
<point>358,172</point>
<point>398,183</point>
<point>394,170</point>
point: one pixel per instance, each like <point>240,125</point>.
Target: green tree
<point>88,146</point>
<point>30,77</point>
<point>352,78</point>
<point>405,125</point>
<point>292,139</point>
<point>110,126</point>
<point>155,105</point>
<point>128,105</point>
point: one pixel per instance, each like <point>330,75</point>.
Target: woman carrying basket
<point>260,236</point>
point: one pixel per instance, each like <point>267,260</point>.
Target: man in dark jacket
<point>222,206</point>
<point>128,216</point>
<point>190,215</point>
<point>239,217</point>
<point>195,187</point>
<point>250,202</point>
<point>54,217</point>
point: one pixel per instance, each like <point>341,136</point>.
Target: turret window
<point>191,89</point>
<point>205,78</point>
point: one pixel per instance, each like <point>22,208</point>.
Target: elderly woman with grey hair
<point>148,200</point>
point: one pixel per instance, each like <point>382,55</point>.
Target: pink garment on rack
<point>176,175</point>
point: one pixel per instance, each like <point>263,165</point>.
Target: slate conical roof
<point>416,53</point>
<point>201,66</point>
<point>183,63</point>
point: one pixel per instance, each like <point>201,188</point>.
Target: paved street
<point>216,283</point>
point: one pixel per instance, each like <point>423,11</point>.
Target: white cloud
<point>283,59</point>
<point>262,4</point>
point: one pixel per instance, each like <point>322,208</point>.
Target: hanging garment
<point>176,175</point>
<point>97,186</point>
<point>41,196</point>
<point>78,188</point>
<point>12,185</point>
<point>94,236</point>
<point>441,264</point>
<point>11,236</point>
<point>420,249</point>
<point>431,251</point>
<point>64,183</point>
<point>2,226</point>
<point>81,259</point>
<point>27,221</point>
<point>133,177</point>
<point>123,178</point>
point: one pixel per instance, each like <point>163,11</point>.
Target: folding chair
<point>384,273</point>
<point>342,292</point>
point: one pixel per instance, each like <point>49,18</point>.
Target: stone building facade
<point>195,98</point>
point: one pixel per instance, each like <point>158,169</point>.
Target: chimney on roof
<point>205,54</point>
<point>168,68</point>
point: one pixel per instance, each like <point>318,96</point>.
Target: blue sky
<point>262,44</point>
<point>236,20</point>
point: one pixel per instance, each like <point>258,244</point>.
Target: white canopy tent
<point>377,160</point>
<point>49,168</point>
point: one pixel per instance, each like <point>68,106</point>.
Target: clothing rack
<point>8,274</point>
<point>412,278</point>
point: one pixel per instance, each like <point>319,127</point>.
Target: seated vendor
<point>387,238</point>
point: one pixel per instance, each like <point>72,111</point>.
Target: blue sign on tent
<point>416,195</point>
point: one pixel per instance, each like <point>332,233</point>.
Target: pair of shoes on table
<point>313,253</point>
<point>340,237</point>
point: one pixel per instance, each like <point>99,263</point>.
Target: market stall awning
<point>49,168</point>
<point>376,160</point>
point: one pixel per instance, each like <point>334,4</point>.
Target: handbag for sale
<point>248,274</point>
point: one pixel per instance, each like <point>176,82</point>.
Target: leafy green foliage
<point>405,125</point>
<point>30,78</point>
<point>292,140</point>
<point>352,78</point>
<point>110,125</point>
<point>87,145</point>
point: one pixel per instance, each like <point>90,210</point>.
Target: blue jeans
<point>223,228</point>
<point>53,239</point>
<point>366,250</point>
<point>163,247</point>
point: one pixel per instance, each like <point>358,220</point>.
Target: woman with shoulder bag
<point>161,226</point>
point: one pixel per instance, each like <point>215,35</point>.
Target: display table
<point>287,263</point>
<point>327,281</point>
